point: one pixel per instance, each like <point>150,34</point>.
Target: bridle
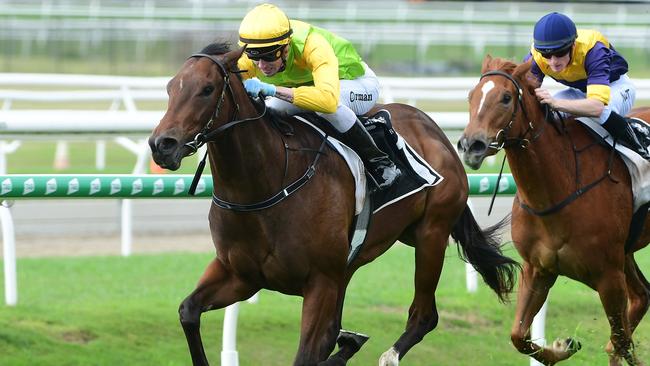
<point>502,140</point>
<point>523,142</point>
<point>206,135</point>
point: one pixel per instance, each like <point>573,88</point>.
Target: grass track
<point>122,311</point>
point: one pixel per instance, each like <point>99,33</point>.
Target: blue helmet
<point>554,32</point>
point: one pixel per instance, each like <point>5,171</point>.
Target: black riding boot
<point>377,163</point>
<point>622,132</point>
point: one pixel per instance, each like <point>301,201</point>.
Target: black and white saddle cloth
<point>417,174</point>
<point>642,130</point>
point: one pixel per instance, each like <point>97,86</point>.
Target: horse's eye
<point>207,90</point>
<point>506,98</point>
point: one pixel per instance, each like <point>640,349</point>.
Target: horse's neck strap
<point>577,193</point>
<point>278,197</point>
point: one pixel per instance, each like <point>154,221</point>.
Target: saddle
<point>416,172</point>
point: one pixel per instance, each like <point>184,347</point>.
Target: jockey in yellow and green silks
<point>305,68</point>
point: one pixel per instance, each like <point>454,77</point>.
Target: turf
<point>122,311</point>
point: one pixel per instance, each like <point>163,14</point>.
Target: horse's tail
<point>482,249</point>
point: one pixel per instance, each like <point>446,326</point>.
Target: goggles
<point>267,54</point>
<point>547,54</point>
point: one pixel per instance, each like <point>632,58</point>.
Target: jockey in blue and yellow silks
<point>596,74</point>
<point>306,68</point>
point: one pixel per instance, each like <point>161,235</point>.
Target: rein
<point>523,142</point>
<point>207,135</point>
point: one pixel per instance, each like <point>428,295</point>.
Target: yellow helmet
<point>264,26</point>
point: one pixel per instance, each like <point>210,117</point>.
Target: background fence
<point>397,37</point>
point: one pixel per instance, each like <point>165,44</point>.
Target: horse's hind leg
<point>431,242</point>
<point>534,286</point>
<point>613,295</point>
<point>216,289</point>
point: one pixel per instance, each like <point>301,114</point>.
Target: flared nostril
<point>166,144</point>
<point>478,147</point>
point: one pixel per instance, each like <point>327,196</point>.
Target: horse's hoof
<point>351,339</point>
<point>389,358</point>
<point>567,345</point>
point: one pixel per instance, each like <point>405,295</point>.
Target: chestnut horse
<point>570,216</point>
<point>297,242</point>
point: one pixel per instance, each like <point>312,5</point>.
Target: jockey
<point>306,68</point>
<point>595,73</point>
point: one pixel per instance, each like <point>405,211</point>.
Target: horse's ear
<point>486,62</point>
<point>522,72</point>
<point>233,56</point>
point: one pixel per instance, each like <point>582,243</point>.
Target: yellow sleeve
<point>600,92</point>
<point>244,63</point>
<point>323,96</point>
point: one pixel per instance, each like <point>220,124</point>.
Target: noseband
<point>502,140</point>
<point>206,135</point>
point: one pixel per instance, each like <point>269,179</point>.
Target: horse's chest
<point>540,245</point>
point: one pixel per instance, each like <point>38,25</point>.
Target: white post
<point>61,159</point>
<point>9,252</point>
<point>100,155</point>
<point>471,276</point>
<point>127,234</point>
<point>229,356</point>
<point>537,330</point>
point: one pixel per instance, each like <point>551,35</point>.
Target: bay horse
<point>572,210</point>
<point>299,244</point>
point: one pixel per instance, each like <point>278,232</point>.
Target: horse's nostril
<point>478,147</point>
<point>461,145</point>
<point>166,144</point>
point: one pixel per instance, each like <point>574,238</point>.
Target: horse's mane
<point>497,63</point>
<point>216,48</point>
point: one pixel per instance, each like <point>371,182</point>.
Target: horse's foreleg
<point>431,243</point>
<point>533,290</point>
<point>613,295</point>
<point>216,289</point>
<point>319,325</point>
<point>349,342</point>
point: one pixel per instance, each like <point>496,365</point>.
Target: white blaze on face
<point>180,87</point>
<point>484,89</point>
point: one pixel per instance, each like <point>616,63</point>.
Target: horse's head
<point>200,98</point>
<point>497,110</point>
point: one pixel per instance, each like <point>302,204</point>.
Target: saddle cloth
<point>417,173</point>
<point>638,167</point>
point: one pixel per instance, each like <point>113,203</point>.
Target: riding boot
<point>622,132</point>
<point>382,170</point>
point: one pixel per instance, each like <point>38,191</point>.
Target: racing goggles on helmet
<point>268,54</point>
<point>557,53</point>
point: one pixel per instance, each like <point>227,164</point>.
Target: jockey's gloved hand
<point>255,87</point>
